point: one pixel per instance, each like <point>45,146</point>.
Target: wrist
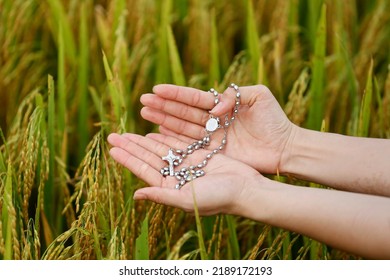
<point>251,202</point>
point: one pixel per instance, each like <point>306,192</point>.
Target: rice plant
<point>73,71</point>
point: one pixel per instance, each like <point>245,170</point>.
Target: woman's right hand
<point>259,136</point>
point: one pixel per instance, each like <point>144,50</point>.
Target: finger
<point>153,146</point>
<point>137,150</point>
<point>177,109</point>
<point>190,96</point>
<point>171,141</point>
<point>171,197</point>
<point>173,123</point>
<point>181,137</point>
<point>248,96</point>
<point>139,167</point>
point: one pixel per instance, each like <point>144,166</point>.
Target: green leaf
<point>7,214</point>
<point>365,110</point>
<point>83,69</point>
<point>214,72</point>
<point>233,240</point>
<point>141,243</point>
<point>316,112</point>
<point>202,247</point>
<point>176,66</point>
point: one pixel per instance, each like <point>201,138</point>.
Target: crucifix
<point>171,158</point>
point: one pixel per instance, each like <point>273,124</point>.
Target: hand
<point>218,191</point>
<point>258,136</point>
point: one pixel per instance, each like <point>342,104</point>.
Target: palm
<point>257,137</point>
<point>215,192</point>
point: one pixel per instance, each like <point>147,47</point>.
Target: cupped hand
<point>219,191</point>
<point>258,137</point>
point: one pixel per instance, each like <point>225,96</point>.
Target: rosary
<point>176,157</point>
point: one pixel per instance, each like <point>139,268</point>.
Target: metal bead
<point>215,151</point>
<point>162,171</point>
<point>227,124</point>
<point>235,87</point>
<point>177,173</point>
<point>200,165</point>
<point>178,178</point>
<point>166,168</point>
<point>166,173</point>
<point>190,152</point>
<point>184,155</point>
<point>237,103</point>
<point>224,141</point>
<point>204,162</point>
<point>177,186</point>
<point>189,178</point>
<point>235,111</point>
<point>176,163</point>
<point>209,156</point>
<point>182,182</point>
<point>179,152</point>
<point>233,118</point>
<point>216,101</point>
<point>183,169</point>
<point>190,147</point>
<point>182,173</point>
<point>200,142</point>
<point>220,147</point>
<point>192,167</point>
<point>196,147</point>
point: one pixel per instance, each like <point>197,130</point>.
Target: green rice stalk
<point>62,98</point>
<point>141,243</point>
<point>202,247</point>
<point>214,72</point>
<point>174,58</point>
<point>11,250</point>
<point>381,129</point>
<point>313,15</point>
<point>252,41</point>
<point>50,188</point>
<point>162,62</point>
<point>116,95</point>
<point>316,112</point>
<point>175,252</point>
<point>233,240</point>
<point>62,27</point>
<point>118,6</point>
<point>83,73</point>
<point>365,110</point>
<point>98,105</point>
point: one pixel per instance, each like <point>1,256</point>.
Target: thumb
<point>248,96</point>
<point>160,195</point>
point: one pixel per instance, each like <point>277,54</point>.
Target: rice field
<point>73,71</point>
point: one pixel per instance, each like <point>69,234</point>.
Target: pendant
<point>212,124</point>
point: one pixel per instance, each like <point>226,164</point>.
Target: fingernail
<point>217,108</point>
<point>139,196</point>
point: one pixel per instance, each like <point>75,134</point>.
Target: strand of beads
<point>187,174</point>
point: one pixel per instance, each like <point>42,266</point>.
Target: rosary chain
<point>187,174</point>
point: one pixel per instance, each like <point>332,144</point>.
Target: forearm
<point>347,163</point>
<point>356,223</point>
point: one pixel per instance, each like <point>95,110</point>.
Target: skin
<point>263,139</point>
<point>357,223</point>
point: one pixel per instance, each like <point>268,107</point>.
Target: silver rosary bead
<point>192,172</point>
